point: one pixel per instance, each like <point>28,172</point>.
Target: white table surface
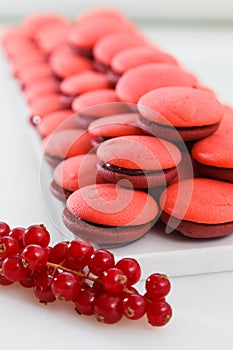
<point>202,304</point>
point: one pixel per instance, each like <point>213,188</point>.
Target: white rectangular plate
<point>204,51</point>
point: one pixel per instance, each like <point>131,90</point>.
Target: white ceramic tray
<point>25,179</point>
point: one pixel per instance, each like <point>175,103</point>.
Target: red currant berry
<point>42,288</point>
<point>84,304</point>
<point>78,254</point>
<point>4,229</point>
<point>66,286</point>
<point>158,313</point>
<point>36,234</point>
<point>3,280</point>
<point>13,268</point>
<point>107,308</point>
<point>57,253</point>
<point>36,257</point>
<point>17,233</point>
<point>113,280</point>
<point>97,286</point>
<point>29,280</point>
<point>134,306</point>
<point>131,270</point>
<point>8,246</point>
<point>100,261</point>
<point>157,286</point>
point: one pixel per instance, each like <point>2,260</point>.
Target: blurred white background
<point>207,10</point>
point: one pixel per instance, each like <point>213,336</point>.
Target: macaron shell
<point>40,87</point>
<point>136,82</point>
<point>61,119</point>
<point>84,82</point>
<point>108,46</point>
<point>67,143</point>
<point>139,152</point>
<point>48,103</point>
<point>85,34</point>
<point>115,125</point>
<point>139,55</point>
<point>181,107</point>
<point>215,150</point>
<point>210,202</point>
<point>34,71</point>
<point>64,62</point>
<point>94,98</point>
<point>107,204</point>
<point>76,172</point>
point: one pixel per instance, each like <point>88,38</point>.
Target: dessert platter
<point>91,111</point>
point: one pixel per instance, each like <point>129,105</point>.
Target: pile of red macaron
<point>132,137</point>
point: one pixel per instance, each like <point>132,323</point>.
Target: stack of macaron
<point>131,136</point>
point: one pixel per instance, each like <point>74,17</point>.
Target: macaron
<point>41,87</point>
<point>61,119</point>
<point>109,215</point>
<point>52,35</point>
<point>32,23</point>
<point>108,46</point>
<point>83,35</point>
<point>34,71</point>
<point>213,155</point>
<point>198,208</point>
<point>74,173</point>
<point>45,104</point>
<point>83,82</point>
<point>63,144</point>
<point>180,113</point>
<point>113,126</point>
<point>137,56</point>
<point>30,56</point>
<point>65,62</point>
<point>142,161</point>
<point>95,104</point>
<point>137,81</point>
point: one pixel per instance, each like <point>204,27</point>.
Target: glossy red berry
<point>3,280</point>
<point>8,246</point>
<point>42,288</point>
<point>157,286</point>
<point>113,280</point>
<point>36,234</point>
<point>17,233</point>
<point>134,306</point>
<point>131,269</point>
<point>100,261</point>
<point>66,286</point>
<point>13,268</point>
<point>107,308</point>
<point>159,313</point>
<point>57,253</point>
<point>84,304</point>
<point>78,254</point>
<point>35,256</point>
<point>4,229</point>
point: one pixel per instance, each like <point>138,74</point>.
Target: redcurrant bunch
<point>74,271</point>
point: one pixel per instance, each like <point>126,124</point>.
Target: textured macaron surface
<point>108,204</point>
<point>199,200</point>
<point>139,55</point>
<point>215,150</point>
<point>67,143</point>
<point>107,47</point>
<point>94,98</point>
<point>139,80</point>
<point>76,172</point>
<point>181,107</point>
<point>115,125</point>
<point>139,152</point>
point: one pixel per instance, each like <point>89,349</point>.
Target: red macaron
<point>180,113</point>
<point>199,207</point>
<point>138,161</point>
<point>109,215</point>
